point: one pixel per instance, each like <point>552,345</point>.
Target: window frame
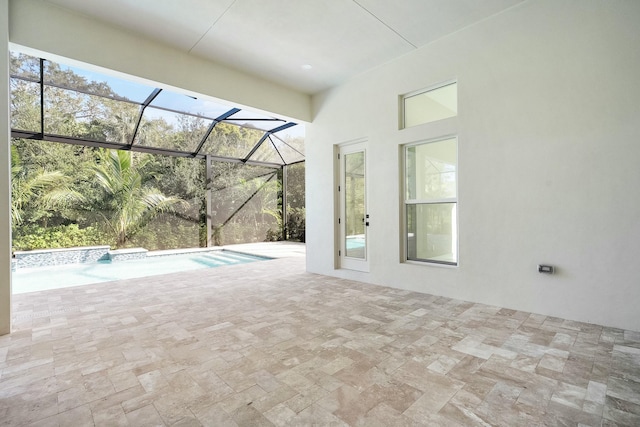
<point>405,202</point>
<point>402,107</point>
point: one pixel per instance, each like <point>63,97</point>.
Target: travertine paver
<point>268,344</point>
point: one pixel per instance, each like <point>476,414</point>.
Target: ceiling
<point>307,45</point>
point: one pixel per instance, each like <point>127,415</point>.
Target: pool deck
<point>269,344</point>
<point>264,249</point>
<point>271,249</point>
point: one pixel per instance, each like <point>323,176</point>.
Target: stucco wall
<point>548,161</point>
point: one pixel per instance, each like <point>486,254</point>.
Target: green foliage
<point>130,203</point>
<point>296,185</point>
<point>273,235</point>
<point>167,232</point>
<point>37,191</point>
<point>178,175</point>
<point>296,224</point>
<point>62,236</point>
<point>242,198</point>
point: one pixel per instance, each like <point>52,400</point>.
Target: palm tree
<point>130,203</point>
<point>41,189</point>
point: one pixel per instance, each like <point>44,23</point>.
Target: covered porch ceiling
<point>305,45</point>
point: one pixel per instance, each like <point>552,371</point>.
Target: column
<point>5,175</point>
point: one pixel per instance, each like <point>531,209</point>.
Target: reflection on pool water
<point>355,242</point>
<point>62,276</point>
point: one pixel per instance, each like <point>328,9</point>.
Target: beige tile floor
<point>267,344</point>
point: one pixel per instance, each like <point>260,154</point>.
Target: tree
<point>295,222</point>
<point>40,190</point>
<point>130,203</point>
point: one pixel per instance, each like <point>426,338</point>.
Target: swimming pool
<point>62,276</point>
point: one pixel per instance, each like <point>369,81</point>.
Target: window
<point>430,105</point>
<point>430,201</point>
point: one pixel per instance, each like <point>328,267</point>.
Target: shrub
<point>62,236</point>
<point>296,225</point>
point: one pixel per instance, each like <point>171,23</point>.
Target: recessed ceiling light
<point>307,67</point>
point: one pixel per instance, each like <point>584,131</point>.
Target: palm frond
<point>120,174</point>
<point>62,197</point>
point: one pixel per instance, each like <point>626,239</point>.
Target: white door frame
<point>348,258</point>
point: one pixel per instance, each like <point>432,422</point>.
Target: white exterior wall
<point>549,161</point>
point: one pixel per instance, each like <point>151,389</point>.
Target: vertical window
<point>430,201</point>
<point>429,105</point>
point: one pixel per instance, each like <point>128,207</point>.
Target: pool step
<point>228,257</point>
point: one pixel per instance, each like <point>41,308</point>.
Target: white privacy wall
<point>549,161</point>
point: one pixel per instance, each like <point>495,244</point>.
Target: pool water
<point>62,276</point>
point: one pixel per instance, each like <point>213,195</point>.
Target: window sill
<point>431,264</point>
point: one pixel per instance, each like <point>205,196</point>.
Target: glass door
<point>354,220</point>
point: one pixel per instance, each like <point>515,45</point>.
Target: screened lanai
<point>240,173</point>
